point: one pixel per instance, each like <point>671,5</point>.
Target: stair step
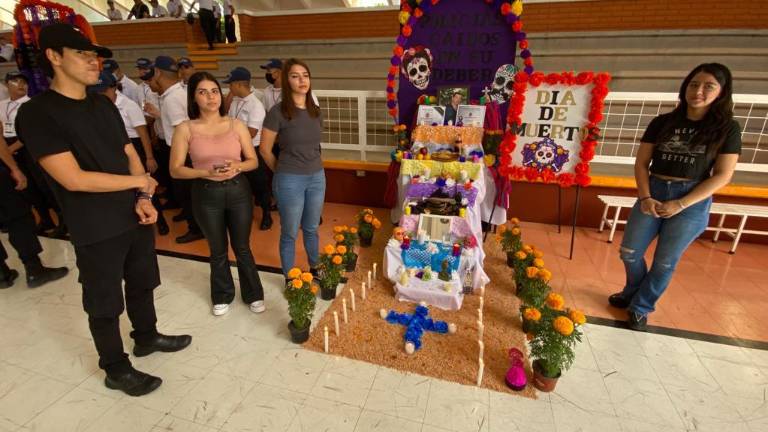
<point>218,52</point>
<point>202,59</point>
<point>207,66</point>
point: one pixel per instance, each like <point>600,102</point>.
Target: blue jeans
<point>300,202</point>
<point>644,287</point>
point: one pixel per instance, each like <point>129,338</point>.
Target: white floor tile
<point>399,394</point>
<point>736,379</point>
<point>642,401</point>
<point>74,412</point>
<point>370,421</point>
<point>266,408</point>
<point>509,413</point>
<point>173,424</point>
<point>126,416</point>
<point>457,407</point>
<point>344,380</point>
<point>213,400</point>
<point>323,415</point>
<point>295,369</point>
<point>28,397</point>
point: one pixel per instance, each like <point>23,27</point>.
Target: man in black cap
<point>272,93</point>
<point>105,194</point>
<point>139,10</point>
<point>186,70</point>
<point>128,86</point>
<point>172,112</point>
<point>17,216</point>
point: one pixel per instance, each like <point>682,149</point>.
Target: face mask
<point>269,78</point>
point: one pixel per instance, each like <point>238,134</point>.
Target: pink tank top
<point>209,150</point>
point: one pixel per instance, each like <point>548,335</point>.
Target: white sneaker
<point>220,309</point>
<point>258,306</point>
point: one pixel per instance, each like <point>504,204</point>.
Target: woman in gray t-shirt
<point>299,181</point>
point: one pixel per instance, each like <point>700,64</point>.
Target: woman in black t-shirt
<point>684,157</point>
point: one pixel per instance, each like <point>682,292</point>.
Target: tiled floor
<point>241,373</point>
<point>711,292</point>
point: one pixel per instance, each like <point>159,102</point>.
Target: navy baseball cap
<point>273,64</point>
<point>185,62</point>
<point>61,35</point>
<point>15,75</point>
<point>106,80</point>
<point>143,63</point>
<point>238,74</point>
<point>166,63</point>
<point>110,65</point>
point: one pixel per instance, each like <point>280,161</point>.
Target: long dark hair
<point>193,110</point>
<point>287,106</point>
<point>717,121</point>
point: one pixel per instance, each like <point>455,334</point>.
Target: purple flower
<point>529,70</point>
<point>391,104</point>
<point>395,61</point>
<point>525,53</point>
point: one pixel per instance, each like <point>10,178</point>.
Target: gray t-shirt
<point>299,140</point>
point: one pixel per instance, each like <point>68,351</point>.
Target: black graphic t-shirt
<point>674,157</point>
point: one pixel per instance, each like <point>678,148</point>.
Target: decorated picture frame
<point>552,127</point>
<point>445,94</point>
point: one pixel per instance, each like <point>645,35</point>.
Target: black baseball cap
<point>106,80</point>
<point>185,62</point>
<point>143,63</point>
<point>166,63</point>
<point>15,75</point>
<point>110,65</point>
<point>238,74</point>
<point>273,64</point>
<point>62,35</point>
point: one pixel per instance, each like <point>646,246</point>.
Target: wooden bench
<point>723,209</point>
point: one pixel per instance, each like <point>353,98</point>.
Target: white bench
<point>723,209</point>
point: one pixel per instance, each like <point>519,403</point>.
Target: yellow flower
<point>538,254</point>
<point>516,231</point>
<point>341,249</point>
<point>294,273</point>
<point>531,272</point>
<point>306,277</point>
<point>520,255</point>
<point>555,301</point>
<point>532,314</point>
<point>297,283</point>
<point>538,262</point>
<point>563,325</point>
<point>577,317</point>
<point>545,275</point>
<point>337,229</point>
<point>338,238</point>
<point>336,259</point>
<point>527,249</point>
<point>353,230</point>
<point>515,221</point>
<point>368,218</point>
<point>329,249</point>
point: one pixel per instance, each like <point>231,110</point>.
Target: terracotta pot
<point>366,241</point>
<point>327,292</point>
<point>298,335</point>
<point>352,264</point>
<point>510,259</point>
<point>541,382</point>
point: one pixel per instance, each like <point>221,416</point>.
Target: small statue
<point>445,272</point>
<point>427,275</point>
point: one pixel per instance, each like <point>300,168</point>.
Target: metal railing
<point>357,126</point>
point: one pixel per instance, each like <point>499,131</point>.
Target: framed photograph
<point>430,115</point>
<point>445,94</point>
<point>470,115</point>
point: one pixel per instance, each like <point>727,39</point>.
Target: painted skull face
<point>545,155</point>
<point>417,66</point>
<point>503,83</point>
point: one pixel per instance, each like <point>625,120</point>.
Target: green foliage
<point>301,303</point>
<point>554,351</point>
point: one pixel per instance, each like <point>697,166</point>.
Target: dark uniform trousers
<point>16,214</point>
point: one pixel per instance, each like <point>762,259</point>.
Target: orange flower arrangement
<point>532,314</point>
<point>531,272</point>
<point>555,301</point>
<point>301,298</point>
<point>538,254</point>
<point>307,277</point>
<point>520,255</point>
<point>337,259</point>
<point>341,249</point>
<point>294,273</point>
<point>338,238</point>
<point>563,325</point>
<point>577,317</point>
<point>545,275</point>
<point>527,249</point>
<point>538,263</point>
<point>329,249</point>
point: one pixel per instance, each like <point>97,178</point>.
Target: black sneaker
<point>618,301</point>
<point>162,227</point>
<point>133,383</point>
<point>637,321</point>
<point>266,222</point>
<point>6,281</point>
<point>40,276</point>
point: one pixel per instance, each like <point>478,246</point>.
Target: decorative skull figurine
<point>503,83</point>
<point>545,154</point>
<point>416,64</point>
<point>398,234</point>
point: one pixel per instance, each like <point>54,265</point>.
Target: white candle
<point>344,311</point>
<point>362,292</point>
<point>482,303</point>
<point>352,299</point>
<point>480,367</point>
<point>336,322</point>
<point>480,315</point>
<point>480,328</point>
<point>369,279</point>
<point>481,345</point>
<point>374,271</point>
<point>325,338</point>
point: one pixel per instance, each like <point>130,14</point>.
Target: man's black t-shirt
<point>674,157</point>
<point>93,131</point>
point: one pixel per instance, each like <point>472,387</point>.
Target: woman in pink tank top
<point>221,196</point>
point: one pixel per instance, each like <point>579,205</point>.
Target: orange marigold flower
<point>353,230</point>
<point>516,231</point>
<point>341,249</point>
<point>538,254</point>
<point>555,301</point>
<point>329,249</point>
<point>515,221</point>
<point>313,289</point>
<point>527,249</point>
<point>376,223</point>
<point>306,277</point>
<point>545,275</point>
<point>297,283</point>
<point>539,263</point>
<point>577,317</point>
<point>294,273</point>
<point>337,229</point>
<point>502,228</point>
<point>338,238</point>
<point>520,255</point>
<point>563,325</point>
<point>336,259</point>
<point>532,314</point>
<point>368,218</point>
<point>531,272</point>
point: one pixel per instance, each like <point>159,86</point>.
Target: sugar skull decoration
<point>545,154</point>
<point>398,234</point>
<point>416,64</point>
<point>503,82</point>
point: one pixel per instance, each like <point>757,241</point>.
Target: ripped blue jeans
<point>644,287</point>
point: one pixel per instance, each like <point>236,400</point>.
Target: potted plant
<point>331,266</point>
<point>533,291</point>
<point>367,224</point>
<point>300,294</point>
<point>521,260</point>
<point>510,240</point>
<point>347,236</point>
<point>552,345</point>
